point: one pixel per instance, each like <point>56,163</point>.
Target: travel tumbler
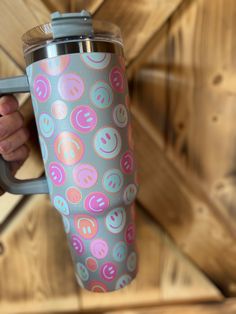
<point>76,77</point>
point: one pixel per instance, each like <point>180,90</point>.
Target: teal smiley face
<point>132,261</point>
<point>115,220</point>
<point>101,95</point>
<point>120,251</point>
<point>107,142</point>
<point>82,272</point>
<point>61,205</point>
<point>46,125</point>
<point>123,281</point>
<point>113,180</point>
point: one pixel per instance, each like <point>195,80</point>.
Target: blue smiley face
<point>46,125</point>
<point>115,220</point>
<point>61,205</point>
<point>113,180</point>
<point>101,95</point>
<point>82,272</point>
<point>130,193</point>
<point>120,251</point>
<point>123,281</point>
<point>107,143</point>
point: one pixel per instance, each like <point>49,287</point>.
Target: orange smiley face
<point>69,148</point>
<point>86,226</point>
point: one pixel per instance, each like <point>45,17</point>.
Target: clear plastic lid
<point>42,35</point>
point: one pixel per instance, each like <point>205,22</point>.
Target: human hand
<point>13,135</point>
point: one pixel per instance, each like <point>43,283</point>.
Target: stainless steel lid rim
<point>69,47</point>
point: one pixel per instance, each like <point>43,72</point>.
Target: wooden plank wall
<point>156,35</point>
<point>37,273</point>
<point>185,99</point>
<point>227,307</point>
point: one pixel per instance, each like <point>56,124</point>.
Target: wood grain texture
<point>15,25</point>
<point>138,20</point>
<point>38,10</point>
<point>34,242</point>
<point>227,307</point>
<point>72,5</point>
<point>90,5</point>
<point>191,111</point>
<point>57,5</point>
<point>168,275</point>
<point>178,204</point>
<point>35,264</point>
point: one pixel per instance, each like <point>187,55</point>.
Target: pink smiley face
<point>117,79</point>
<point>42,88</point>
<point>99,248</point>
<point>78,245</point>
<point>96,202</point>
<point>84,119</point>
<point>70,86</point>
<point>127,163</point>
<point>108,271</point>
<point>130,233</point>
<point>57,173</point>
<point>85,175</point>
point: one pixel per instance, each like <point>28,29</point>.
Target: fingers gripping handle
<point>8,183</point>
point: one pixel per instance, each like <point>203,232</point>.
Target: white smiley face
<point>107,143</point>
<point>132,261</point>
<point>130,193</point>
<point>120,115</point>
<point>113,180</point>
<point>115,220</point>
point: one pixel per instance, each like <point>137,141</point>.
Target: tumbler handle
<point>18,84</point>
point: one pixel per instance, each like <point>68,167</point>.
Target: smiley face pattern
<point>81,107</point>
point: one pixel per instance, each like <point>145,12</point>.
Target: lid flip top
<point>72,24</point>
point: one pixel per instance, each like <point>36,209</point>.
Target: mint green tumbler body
<point>76,77</point>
